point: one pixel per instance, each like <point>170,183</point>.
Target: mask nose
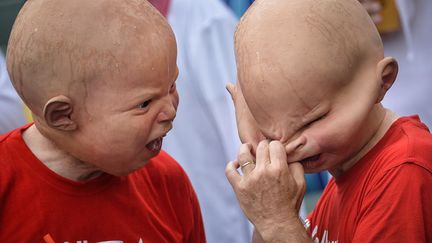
<point>294,148</point>
<point>168,112</point>
<point>297,144</point>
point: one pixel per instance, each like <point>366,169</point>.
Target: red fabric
<point>161,5</point>
<point>154,204</point>
<point>386,196</point>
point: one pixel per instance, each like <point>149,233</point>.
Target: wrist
<point>290,229</point>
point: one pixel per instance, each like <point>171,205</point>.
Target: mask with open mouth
<point>311,162</point>
<point>155,145</point>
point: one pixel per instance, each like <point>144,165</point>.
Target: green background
<point>8,12</point>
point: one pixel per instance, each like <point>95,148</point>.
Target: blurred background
<point>204,137</point>
<point>8,11</point>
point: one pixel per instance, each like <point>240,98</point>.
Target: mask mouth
<point>155,145</point>
<point>310,159</point>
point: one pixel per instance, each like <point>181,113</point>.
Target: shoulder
<point>4,139</point>
<point>9,144</point>
<point>408,141</point>
<point>410,177</point>
<point>405,179</point>
<point>12,142</point>
<point>10,150</point>
<point>403,164</point>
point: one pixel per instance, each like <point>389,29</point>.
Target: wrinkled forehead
<point>98,26</point>
<point>302,41</point>
<point>93,26</point>
<point>61,46</point>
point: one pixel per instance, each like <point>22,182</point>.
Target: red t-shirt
<point>154,204</point>
<point>384,197</point>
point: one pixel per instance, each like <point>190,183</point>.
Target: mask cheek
<point>321,140</point>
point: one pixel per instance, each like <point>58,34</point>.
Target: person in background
<point>238,6</point>
<point>11,107</point>
<point>204,136</point>
<point>410,42</point>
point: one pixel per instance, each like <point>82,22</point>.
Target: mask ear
<point>57,113</point>
<point>387,70</point>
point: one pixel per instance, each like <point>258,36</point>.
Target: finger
<point>297,172</point>
<point>262,154</point>
<point>277,155</point>
<point>232,174</point>
<point>245,158</point>
<point>247,167</point>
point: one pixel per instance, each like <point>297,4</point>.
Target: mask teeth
<point>311,159</point>
<point>156,144</point>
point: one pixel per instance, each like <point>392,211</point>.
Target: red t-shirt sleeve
<point>398,207</point>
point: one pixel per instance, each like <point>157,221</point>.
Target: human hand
<point>246,124</point>
<point>373,7</point>
<point>270,192</point>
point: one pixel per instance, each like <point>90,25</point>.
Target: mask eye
<point>173,87</point>
<point>313,121</point>
<point>144,105</point>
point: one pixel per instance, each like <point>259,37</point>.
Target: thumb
<point>297,173</point>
